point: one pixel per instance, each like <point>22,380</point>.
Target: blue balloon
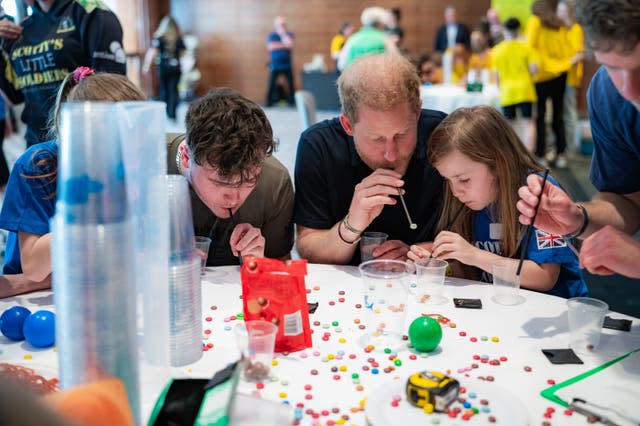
<point>40,329</point>
<point>12,320</point>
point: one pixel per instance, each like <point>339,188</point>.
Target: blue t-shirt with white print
<point>543,248</point>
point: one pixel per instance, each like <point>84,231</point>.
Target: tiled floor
<point>622,294</point>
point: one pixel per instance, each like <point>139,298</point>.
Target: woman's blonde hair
<point>485,136</point>
<point>168,30</point>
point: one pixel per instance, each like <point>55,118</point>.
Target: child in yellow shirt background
<point>575,35</point>
<point>515,63</point>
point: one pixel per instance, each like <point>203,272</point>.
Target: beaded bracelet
<point>350,228</point>
<point>585,221</point>
<point>343,239</point>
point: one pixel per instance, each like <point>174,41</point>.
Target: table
<point>447,97</point>
<point>521,331</point>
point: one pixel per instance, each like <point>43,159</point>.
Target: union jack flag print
<point>548,241</point>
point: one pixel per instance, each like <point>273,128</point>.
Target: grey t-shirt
<point>269,207</point>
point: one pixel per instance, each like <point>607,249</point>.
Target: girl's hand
<point>417,253</point>
<point>449,245</point>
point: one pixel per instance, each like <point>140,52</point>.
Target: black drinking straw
<point>233,222</point>
<point>527,238</point>
<point>451,222</point>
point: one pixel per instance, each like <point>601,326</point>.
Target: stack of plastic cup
<point>92,253</point>
<point>185,294</point>
<point>142,137</point>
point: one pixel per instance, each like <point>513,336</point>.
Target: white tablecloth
<point>523,330</point>
<point>447,98</point>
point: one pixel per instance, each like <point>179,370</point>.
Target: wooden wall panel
<point>233,33</point>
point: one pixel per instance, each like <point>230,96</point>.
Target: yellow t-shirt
<point>576,38</point>
<point>480,62</point>
<point>551,46</point>
<point>336,44</point>
<point>511,59</point>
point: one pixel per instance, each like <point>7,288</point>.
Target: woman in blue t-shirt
<point>484,163</point>
<point>29,201</point>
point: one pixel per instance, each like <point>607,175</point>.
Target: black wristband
<point>585,222</point>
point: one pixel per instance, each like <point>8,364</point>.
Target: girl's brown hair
<point>103,87</point>
<point>485,136</point>
<point>546,11</point>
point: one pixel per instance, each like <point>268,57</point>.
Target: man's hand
<point>557,214</point>
<point>391,250</point>
<point>609,251</point>
<point>371,195</point>
<point>9,31</point>
<point>247,240</point>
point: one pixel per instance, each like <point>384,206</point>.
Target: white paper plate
<point>505,407</point>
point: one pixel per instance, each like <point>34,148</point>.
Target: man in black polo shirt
<point>349,169</point>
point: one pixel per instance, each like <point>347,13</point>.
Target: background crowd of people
<point>532,62</point>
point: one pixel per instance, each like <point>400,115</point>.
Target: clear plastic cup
<point>386,284</point>
<point>430,275</point>
<point>586,316</point>
<point>368,242</point>
<point>256,341</point>
<point>202,250</point>
<point>506,283</point>
<point>91,179</point>
<point>181,234</point>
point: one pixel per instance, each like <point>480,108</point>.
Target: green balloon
<point>425,334</point>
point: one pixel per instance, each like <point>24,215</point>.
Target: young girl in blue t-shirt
<point>29,202</point>
<point>484,163</point>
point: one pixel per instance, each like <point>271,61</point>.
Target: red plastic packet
<point>273,290</point>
